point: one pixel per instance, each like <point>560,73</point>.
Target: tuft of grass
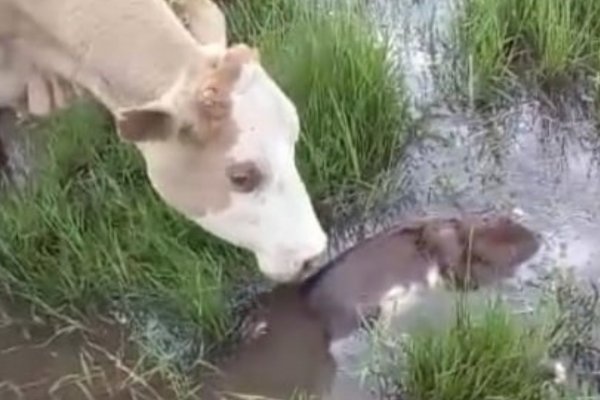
<point>492,355</point>
<point>551,40</point>
<point>328,58</point>
<point>90,228</point>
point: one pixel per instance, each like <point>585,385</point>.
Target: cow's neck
<point>125,52</point>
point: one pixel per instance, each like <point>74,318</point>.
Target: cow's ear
<point>206,22</point>
<point>39,99</point>
<point>150,122</point>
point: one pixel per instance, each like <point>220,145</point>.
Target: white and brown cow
<point>217,134</point>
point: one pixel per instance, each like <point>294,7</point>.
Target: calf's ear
<point>501,241</point>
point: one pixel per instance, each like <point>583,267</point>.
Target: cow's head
<point>219,147</point>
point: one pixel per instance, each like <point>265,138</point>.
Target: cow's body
<point>124,59</point>
<point>216,132</point>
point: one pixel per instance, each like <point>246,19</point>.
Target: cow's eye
<point>244,177</point>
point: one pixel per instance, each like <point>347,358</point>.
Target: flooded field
<point>59,358</point>
<point>510,194</point>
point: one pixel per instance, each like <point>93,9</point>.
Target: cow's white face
<point>219,148</point>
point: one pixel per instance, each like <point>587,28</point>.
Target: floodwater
<point>535,157</point>
<point>60,359</point>
<point>525,176</point>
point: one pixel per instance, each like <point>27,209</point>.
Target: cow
<point>216,132</point>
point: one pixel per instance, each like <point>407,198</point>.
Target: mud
<point>286,351</point>
<point>58,359</point>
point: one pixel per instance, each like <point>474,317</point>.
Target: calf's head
<point>219,147</point>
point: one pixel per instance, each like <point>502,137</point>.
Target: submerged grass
<point>91,228</point>
<point>490,354</point>
<point>328,58</point>
<point>545,40</point>
<point>491,358</point>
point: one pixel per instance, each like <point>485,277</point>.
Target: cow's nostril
<point>310,266</point>
<point>306,267</point>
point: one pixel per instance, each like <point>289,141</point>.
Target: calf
<point>216,132</point>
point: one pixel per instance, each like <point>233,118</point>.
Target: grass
<point>485,349</point>
<point>329,60</point>
<point>90,228</point>
<point>548,41</point>
<point>491,358</point>
<point>487,355</point>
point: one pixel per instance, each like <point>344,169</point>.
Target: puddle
<point>526,161</point>
<point>533,157</point>
<point>57,359</point>
<point>286,350</point>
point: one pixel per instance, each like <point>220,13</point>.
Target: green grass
<point>329,61</point>
<point>548,41</point>
<point>488,355</point>
<point>90,228</point>
<point>477,346</point>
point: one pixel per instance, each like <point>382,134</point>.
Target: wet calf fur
<point>464,252</point>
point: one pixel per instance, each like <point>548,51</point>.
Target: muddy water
<point>286,351</point>
<point>535,156</point>
<point>58,359</point>
<point>544,169</point>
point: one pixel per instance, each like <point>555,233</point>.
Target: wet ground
<point>43,358</point>
<point>531,161</point>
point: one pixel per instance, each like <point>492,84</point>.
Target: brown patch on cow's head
<point>207,107</point>
<point>187,136</point>
<point>214,93</point>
